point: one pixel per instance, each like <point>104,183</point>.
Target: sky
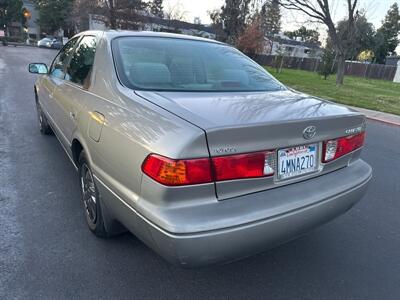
<point>376,10</point>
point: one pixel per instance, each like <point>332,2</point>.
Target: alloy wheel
<point>89,193</point>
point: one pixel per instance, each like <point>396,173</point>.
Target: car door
<point>54,79</point>
<point>72,91</point>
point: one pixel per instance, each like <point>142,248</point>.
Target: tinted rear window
<point>148,63</point>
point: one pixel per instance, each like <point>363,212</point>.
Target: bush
<point>327,63</point>
<point>251,40</point>
<point>12,39</point>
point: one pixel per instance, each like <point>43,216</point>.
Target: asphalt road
<point>46,250</point>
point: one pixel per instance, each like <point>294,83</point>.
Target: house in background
<point>392,60</point>
<point>151,23</point>
<point>174,26</point>
<point>280,44</point>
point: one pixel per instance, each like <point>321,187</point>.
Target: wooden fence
<point>374,71</point>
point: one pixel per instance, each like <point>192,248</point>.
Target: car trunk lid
<point>249,122</point>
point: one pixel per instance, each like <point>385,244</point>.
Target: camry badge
<point>309,132</point>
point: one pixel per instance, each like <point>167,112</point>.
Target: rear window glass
<point>148,63</point>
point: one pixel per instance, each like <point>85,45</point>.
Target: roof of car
<point>110,34</point>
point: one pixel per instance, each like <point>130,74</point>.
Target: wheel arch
<point>77,146</point>
<point>111,223</point>
<point>76,149</point>
<point>36,94</point>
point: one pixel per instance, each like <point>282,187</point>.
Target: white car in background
<point>45,42</point>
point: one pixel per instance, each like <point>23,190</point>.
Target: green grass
<point>373,94</point>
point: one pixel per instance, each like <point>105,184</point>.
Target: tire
<point>91,199</point>
<point>44,126</point>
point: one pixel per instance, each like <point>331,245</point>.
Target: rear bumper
<point>299,211</point>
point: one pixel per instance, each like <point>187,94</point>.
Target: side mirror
<point>38,68</point>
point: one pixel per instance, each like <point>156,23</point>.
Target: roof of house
<point>294,42</point>
<point>110,34</point>
<point>175,23</point>
<point>392,60</point>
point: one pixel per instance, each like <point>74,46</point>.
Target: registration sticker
<point>297,161</point>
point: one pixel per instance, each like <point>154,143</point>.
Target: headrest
<point>236,76</point>
<point>149,73</point>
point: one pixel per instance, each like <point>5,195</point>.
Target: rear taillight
<point>177,172</point>
<point>173,172</point>
<point>240,166</point>
<point>333,149</point>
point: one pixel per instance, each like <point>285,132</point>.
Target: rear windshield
<point>167,64</point>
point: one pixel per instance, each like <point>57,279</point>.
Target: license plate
<point>297,161</point>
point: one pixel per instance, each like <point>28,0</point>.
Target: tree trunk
<point>281,65</point>
<point>113,22</point>
<point>340,69</point>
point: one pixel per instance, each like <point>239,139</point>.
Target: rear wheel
<point>91,198</point>
<point>43,123</point>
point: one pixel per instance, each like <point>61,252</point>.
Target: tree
<point>305,35</point>
<point>232,17</point>
<point>251,40</point>
<point>81,11</point>
<point>380,47</point>
<point>217,24</point>
<point>115,13</point>
<point>391,27</point>
<point>156,8</point>
<point>320,11</point>
<point>53,14</point>
<point>386,38</point>
<point>123,11</point>
<point>366,55</point>
<point>111,14</point>
<point>10,11</point>
<point>279,58</point>
<point>175,12</point>
<point>327,61</point>
<point>362,38</point>
<point>271,15</point>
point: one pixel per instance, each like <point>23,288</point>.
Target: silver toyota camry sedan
<point>195,148</point>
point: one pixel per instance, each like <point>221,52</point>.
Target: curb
<point>387,122</point>
<point>389,119</point>
<point>20,45</point>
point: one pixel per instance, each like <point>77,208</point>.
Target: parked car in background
<point>50,42</point>
<point>194,147</point>
<point>45,42</point>
<point>56,44</point>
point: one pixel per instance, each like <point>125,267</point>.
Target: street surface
<point>47,252</point>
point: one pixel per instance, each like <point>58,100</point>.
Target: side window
<point>81,63</point>
<point>59,63</point>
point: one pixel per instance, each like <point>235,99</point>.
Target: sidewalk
<point>15,44</point>
<point>379,116</point>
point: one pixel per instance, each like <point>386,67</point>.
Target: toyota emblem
<point>309,132</point>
